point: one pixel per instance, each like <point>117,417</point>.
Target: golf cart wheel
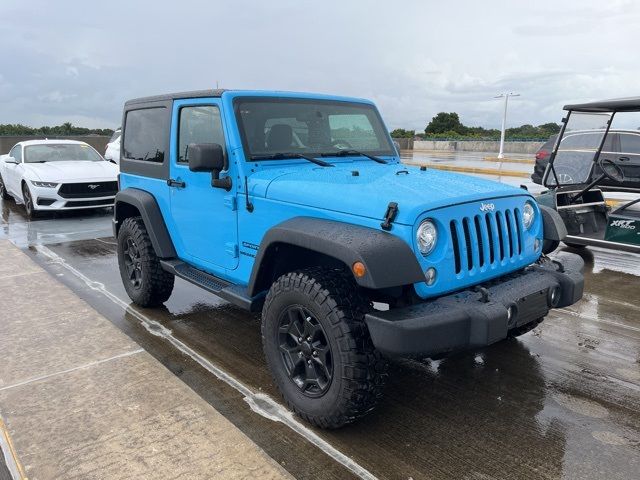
<point>27,199</point>
<point>574,245</point>
<point>519,331</point>
<point>3,190</point>
<point>146,283</point>
<point>318,348</point>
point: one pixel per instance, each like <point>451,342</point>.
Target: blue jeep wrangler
<point>297,205</point>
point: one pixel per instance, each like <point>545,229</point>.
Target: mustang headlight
<point>44,184</point>
<point>427,236</point>
<point>528,215</point>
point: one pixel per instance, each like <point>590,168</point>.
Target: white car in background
<point>52,175</point>
<point>112,153</point>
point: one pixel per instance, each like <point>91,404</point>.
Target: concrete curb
<point>80,399</point>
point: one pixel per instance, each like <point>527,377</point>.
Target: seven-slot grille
<point>88,190</point>
<point>486,239</point>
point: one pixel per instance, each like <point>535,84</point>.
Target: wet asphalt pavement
<point>562,401</point>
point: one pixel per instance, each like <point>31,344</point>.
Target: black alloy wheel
<point>133,263</point>
<point>28,202</point>
<point>305,351</point>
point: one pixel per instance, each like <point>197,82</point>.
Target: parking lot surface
<point>562,401</point>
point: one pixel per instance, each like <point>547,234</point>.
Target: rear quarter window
<point>145,135</point>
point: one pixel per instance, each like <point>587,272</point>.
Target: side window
<point>198,124</point>
<point>16,152</point>
<point>145,135</point>
<point>629,143</point>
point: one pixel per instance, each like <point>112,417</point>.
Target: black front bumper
<point>480,316</point>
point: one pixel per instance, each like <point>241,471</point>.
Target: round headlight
<point>427,237</point>
<point>528,215</point>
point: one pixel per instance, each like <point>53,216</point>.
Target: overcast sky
<point>76,61</point>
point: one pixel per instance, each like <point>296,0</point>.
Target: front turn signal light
<point>359,270</point>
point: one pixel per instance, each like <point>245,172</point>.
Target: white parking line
<point>260,403</point>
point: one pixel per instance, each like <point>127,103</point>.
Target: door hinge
<point>232,249</point>
<point>231,202</point>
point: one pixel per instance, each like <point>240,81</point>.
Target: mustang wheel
<point>146,283</point>
<point>318,348</point>
<point>3,190</point>
<point>28,202</point>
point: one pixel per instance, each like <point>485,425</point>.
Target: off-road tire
<point>3,190</point>
<point>156,284</point>
<point>526,328</point>
<point>359,370</point>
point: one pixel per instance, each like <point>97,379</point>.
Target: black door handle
<point>176,183</point>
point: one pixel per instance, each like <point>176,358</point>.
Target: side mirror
<point>11,160</point>
<point>205,157</point>
<point>209,157</point>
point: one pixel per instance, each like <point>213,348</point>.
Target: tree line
<point>65,129</point>
<point>448,126</point>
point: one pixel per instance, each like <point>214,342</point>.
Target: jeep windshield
<point>58,152</point>
<point>284,128</point>
<point>576,153</point>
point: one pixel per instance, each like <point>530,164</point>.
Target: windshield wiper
<point>282,155</point>
<point>351,152</point>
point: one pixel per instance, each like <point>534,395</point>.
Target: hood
<point>72,171</point>
<point>369,193</point>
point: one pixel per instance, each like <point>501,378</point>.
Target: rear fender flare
<point>147,206</point>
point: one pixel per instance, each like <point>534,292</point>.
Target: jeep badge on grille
<point>487,207</point>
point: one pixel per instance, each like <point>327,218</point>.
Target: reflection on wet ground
<point>562,401</point>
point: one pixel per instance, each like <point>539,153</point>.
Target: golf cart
<point>578,174</point>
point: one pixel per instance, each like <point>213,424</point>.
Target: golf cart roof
<point>630,104</point>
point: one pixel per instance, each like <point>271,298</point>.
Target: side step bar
<point>223,289</point>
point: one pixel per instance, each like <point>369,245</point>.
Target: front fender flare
<point>553,226</point>
<point>388,259</point>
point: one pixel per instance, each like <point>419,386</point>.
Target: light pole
<point>504,119</point>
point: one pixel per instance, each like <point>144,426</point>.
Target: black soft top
<point>176,96</point>
<point>630,104</point>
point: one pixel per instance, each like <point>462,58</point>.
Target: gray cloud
<point>75,61</point>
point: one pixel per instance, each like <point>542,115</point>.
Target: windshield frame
<point>27,147</point>
<point>238,101</point>
<point>550,167</point>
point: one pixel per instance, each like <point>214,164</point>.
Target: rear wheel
<point>146,283</point>
<point>28,202</point>
<point>318,347</point>
<point>3,190</point>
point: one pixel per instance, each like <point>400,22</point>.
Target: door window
<point>16,152</point>
<point>198,124</point>
<point>629,143</point>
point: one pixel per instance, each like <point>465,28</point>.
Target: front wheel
<point>146,283</point>
<point>27,199</point>
<point>4,194</point>
<point>318,348</point>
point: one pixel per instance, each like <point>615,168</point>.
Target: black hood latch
<point>390,216</point>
